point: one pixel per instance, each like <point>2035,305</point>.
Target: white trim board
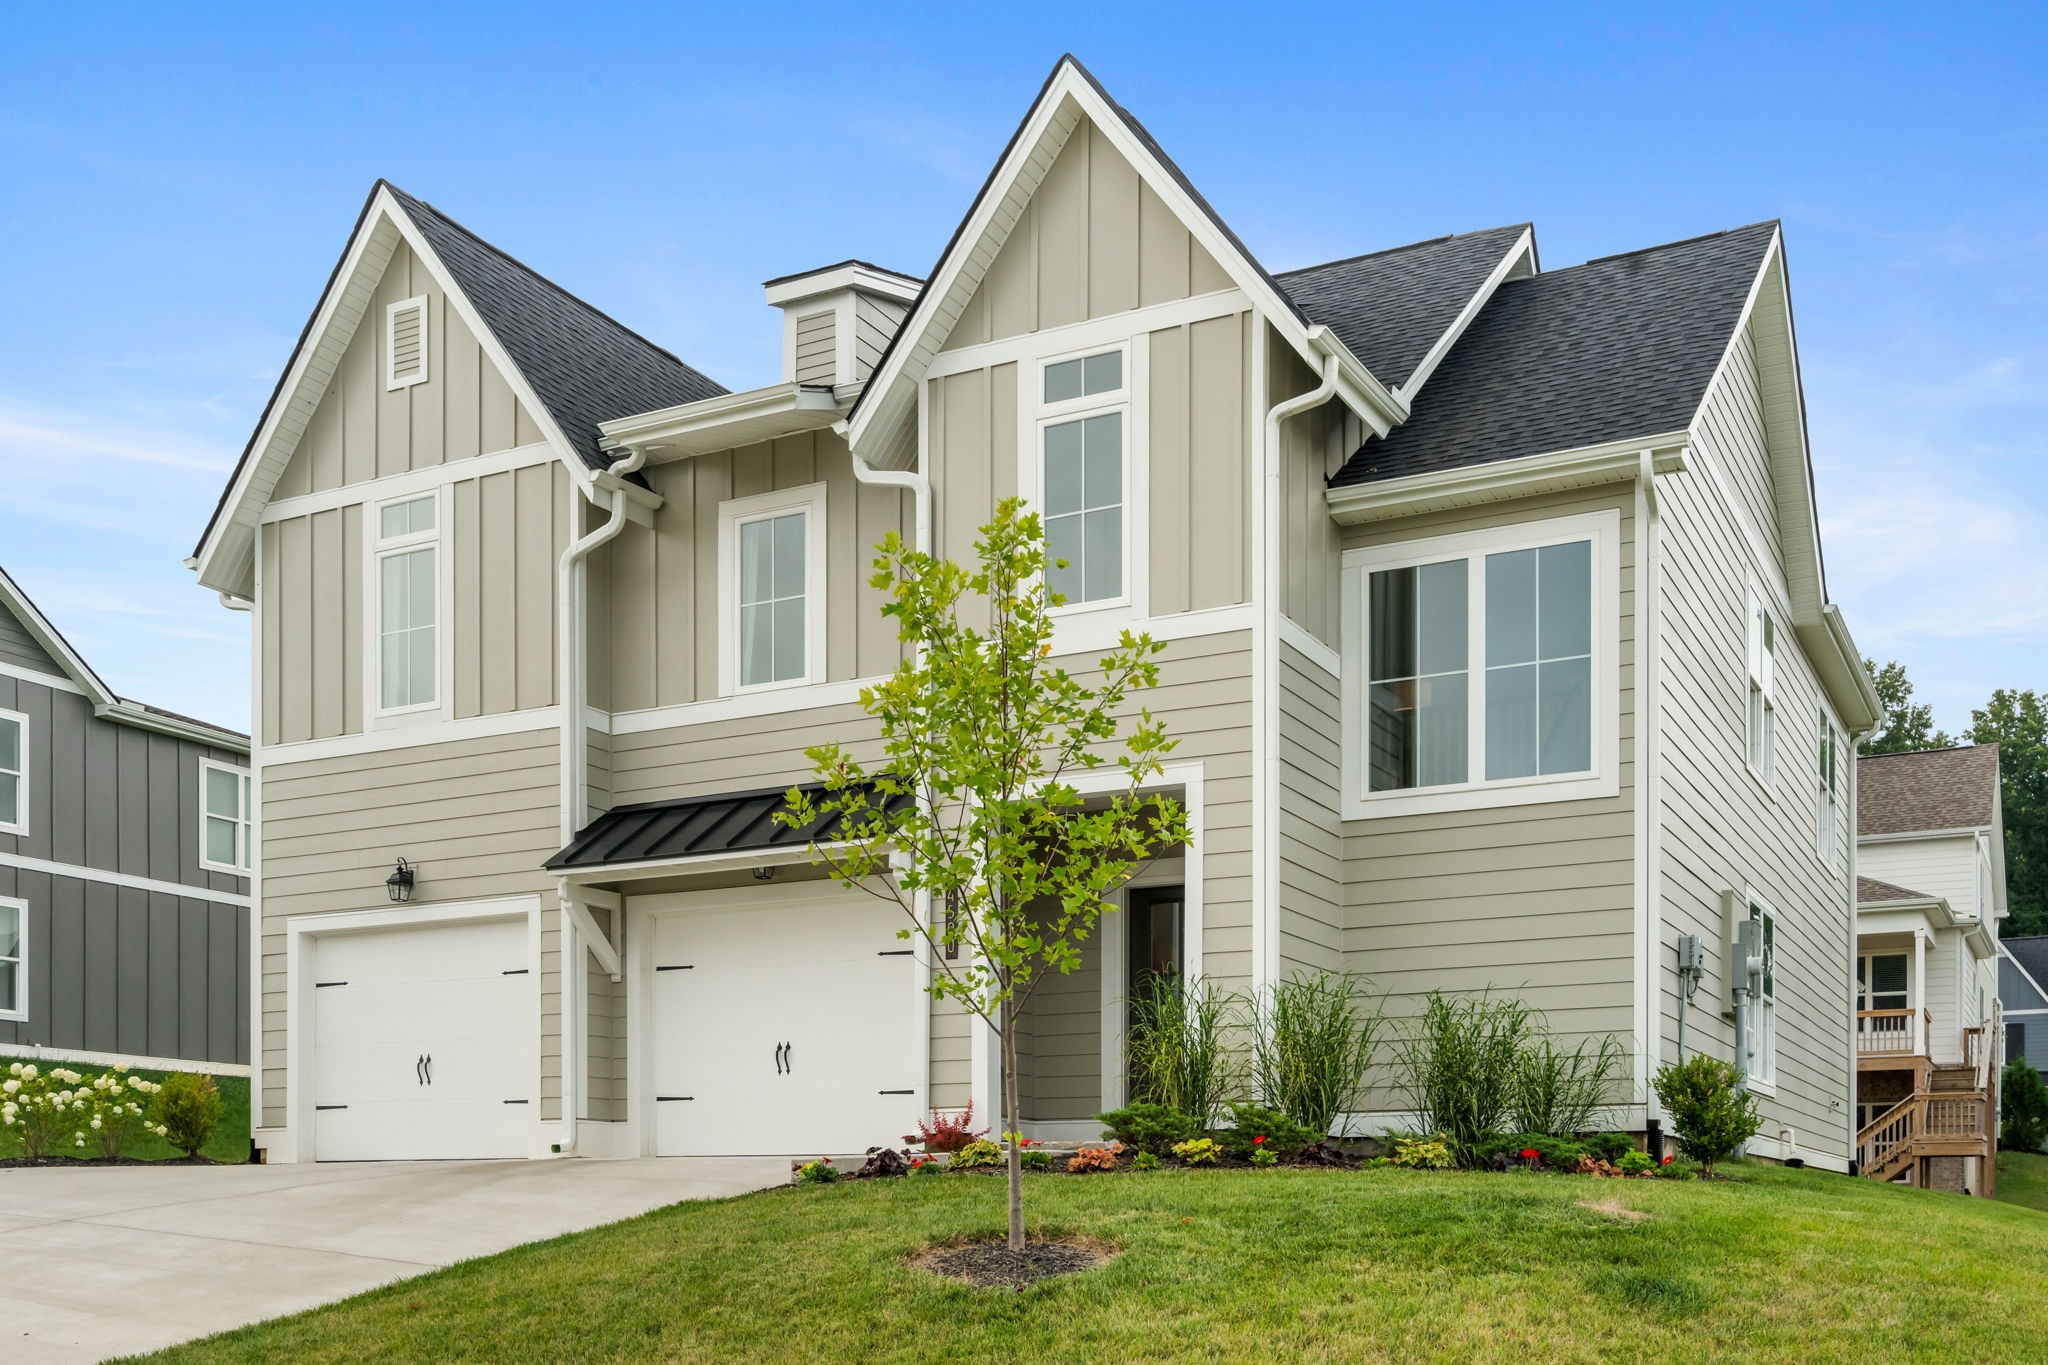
<point>29,675</point>
<point>36,1052</point>
<point>410,736</point>
<point>395,487</point>
<point>95,874</point>
<point>19,1014</point>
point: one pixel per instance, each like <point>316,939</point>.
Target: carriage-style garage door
<point>423,1043</point>
<point>783,1022</point>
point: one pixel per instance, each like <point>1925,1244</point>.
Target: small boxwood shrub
<point>1283,1136</point>
<point>1636,1163</point>
<point>1608,1147</point>
<point>1712,1110</point>
<point>1149,1127</point>
<point>1509,1151</point>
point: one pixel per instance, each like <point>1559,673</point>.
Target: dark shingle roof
<point>1929,790</point>
<point>1619,347</point>
<point>1871,891</point>
<point>585,367</point>
<point>729,822</point>
<point>1391,306</point>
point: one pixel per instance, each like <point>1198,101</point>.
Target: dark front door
<point>1156,948</point>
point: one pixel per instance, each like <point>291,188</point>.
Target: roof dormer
<point>837,320</point>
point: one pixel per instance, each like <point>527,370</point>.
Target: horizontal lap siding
<point>816,362</point>
<point>1311,827</point>
<point>1720,830</point>
<point>1933,867</point>
<point>1535,902</point>
<point>477,818</point>
<point>1062,1078</point>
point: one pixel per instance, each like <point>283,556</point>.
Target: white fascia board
<point>1839,666</point>
<point>1524,249</point>
<point>785,856</point>
<point>852,275</point>
<point>178,727</point>
<point>1609,462</point>
<point>720,423</point>
<point>54,644</point>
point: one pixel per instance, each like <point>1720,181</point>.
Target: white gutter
<point>572,680</point>
<point>1266,665</point>
<point>919,486</point>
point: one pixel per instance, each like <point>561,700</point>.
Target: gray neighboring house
<point>2023,988</point>
<point>125,839</point>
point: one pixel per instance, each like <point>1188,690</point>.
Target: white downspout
<point>920,491</point>
<point>572,681</point>
<point>1266,675</point>
<point>1649,704</point>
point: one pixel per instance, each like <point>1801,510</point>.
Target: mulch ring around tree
<point>990,1264</point>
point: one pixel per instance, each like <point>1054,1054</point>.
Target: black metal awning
<point>695,826</point>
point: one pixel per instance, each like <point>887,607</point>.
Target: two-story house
<point>1499,657</point>
<point>2023,999</point>
<point>125,841</point>
<point>1931,891</point>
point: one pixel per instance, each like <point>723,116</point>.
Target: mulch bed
<point>68,1161</point>
<point>992,1265</point>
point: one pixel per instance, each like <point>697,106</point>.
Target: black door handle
<point>419,1074</point>
<point>789,1059</point>
<point>430,1068</point>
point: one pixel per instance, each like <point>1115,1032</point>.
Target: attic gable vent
<point>405,343</point>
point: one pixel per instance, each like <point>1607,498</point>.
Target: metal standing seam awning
<point>675,831</point>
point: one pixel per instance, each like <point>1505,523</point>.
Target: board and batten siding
<point>1534,901</point>
<point>475,817</point>
<point>362,431</point>
<point>117,968</point>
<point>1094,240</point>
<point>506,531</point>
<point>1719,828</point>
<point>655,593</point>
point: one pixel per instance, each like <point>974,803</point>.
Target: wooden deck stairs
<point>1953,1115</point>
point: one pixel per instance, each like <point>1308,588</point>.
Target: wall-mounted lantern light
<point>764,874</point>
<point>399,883</point>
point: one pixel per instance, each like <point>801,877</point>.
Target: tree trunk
<point>1013,1128</point>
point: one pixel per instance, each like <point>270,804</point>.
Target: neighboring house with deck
<point>1498,657</point>
<point>1930,892</point>
<point>125,838</point>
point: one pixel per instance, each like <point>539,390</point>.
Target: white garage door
<point>422,1043</point>
<point>783,1026</point>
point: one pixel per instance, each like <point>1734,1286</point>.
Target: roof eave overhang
<point>1470,485</point>
<point>1839,666</point>
<point>734,860</point>
<point>178,727</point>
<point>724,422</point>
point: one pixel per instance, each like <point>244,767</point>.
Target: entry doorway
<point>1155,950</point>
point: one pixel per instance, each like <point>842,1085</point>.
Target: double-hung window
<point>1762,1043</point>
<point>13,773</point>
<point>1478,668</point>
<point>1763,703</point>
<point>772,626</point>
<point>13,953</point>
<point>1829,793</point>
<point>406,584</point>
<point>224,822</point>
<point>1084,412</point>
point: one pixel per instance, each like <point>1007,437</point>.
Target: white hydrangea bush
<point>58,1111</point>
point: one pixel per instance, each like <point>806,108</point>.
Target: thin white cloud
<point>30,435</point>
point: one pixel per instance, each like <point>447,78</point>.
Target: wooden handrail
<point>1891,1032</point>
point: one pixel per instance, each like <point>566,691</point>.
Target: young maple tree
<point>973,810</point>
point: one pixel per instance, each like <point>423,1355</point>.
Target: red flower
<point>1530,1154</point>
<point>1667,1158</point>
<point>827,1160</point>
<point>1257,1140</point>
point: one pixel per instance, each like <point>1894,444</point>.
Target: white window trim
<point>245,825</point>
<point>391,311</point>
<point>1034,414</point>
<point>1603,529</point>
<point>1764,1079</point>
<point>1759,671</point>
<point>375,548</point>
<point>21,802</point>
<point>1828,796</point>
<point>19,1014</point>
<point>810,499</point>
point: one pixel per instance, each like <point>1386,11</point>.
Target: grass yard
<point>230,1140</point>
<point>1280,1265</point>
<point>2023,1179</point>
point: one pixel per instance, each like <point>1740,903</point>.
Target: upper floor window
<point>225,820</point>
<point>407,577</point>
<point>1763,702</point>
<point>1480,668</point>
<point>13,773</point>
<point>1084,410</point>
<point>13,951</point>
<point>1830,796</point>
<point>772,625</point>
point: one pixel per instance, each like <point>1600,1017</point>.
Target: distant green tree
<point>2017,722</point>
<point>1906,727</point>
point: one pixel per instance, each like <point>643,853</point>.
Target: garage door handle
<point>778,1058</point>
<point>419,1073</point>
<point>895,1092</point>
<point>430,1068</point>
<point>323,1108</point>
<point>666,1099</point>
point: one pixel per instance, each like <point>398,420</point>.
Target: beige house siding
<point>362,431</point>
<point>476,817</point>
<point>1200,414</point>
<point>1934,867</point>
<point>312,626</point>
<point>1313,446</point>
<point>1093,240</point>
<point>875,321</point>
<point>972,425</point>
<point>655,592</point>
<point>1059,1052</point>
<point>1731,427</point>
<point>1534,901</point>
<point>816,354</point>
<point>1311,826</point>
<point>1721,830</point>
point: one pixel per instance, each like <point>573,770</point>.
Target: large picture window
<point>407,556</point>
<point>1084,406</point>
<point>1479,669</point>
<point>13,773</point>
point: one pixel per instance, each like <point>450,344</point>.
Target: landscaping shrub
<point>1178,1057</point>
<point>946,1132</point>
<point>1420,1154</point>
<point>1710,1107</point>
<point>114,1109</point>
<point>1145,1161</point>
<point>1035,1160</point>
<point>1510,1150</point>
<point>186,1109</point>
<point>926,1165</point>
<point>1609,1147</point>
<point>1197,1151</point>
<point>980,1154</point>
<point>1149,1127</point>
<point>2022,1108</point>
<point>1560,1092</point>
<point>819,1172</point>
<point>1635,1163</point>
<point>1457,1063</point>
<point>1311,1044</point>
<point>46,1109</point>
<point>1094,1159</point>
<point>1250,1122</point>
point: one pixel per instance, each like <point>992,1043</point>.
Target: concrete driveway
<point>112,1260</point>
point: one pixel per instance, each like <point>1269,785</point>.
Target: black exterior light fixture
<point>764,874</point>
<point>399,883</point>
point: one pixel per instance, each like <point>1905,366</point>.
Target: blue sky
<point>180,180</point>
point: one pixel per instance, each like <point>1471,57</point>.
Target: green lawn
<point>230,1140</point>
<point>1263,1266</point>
<point>2023,1179</point>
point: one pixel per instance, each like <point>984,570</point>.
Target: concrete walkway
<point>105,1261</point>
